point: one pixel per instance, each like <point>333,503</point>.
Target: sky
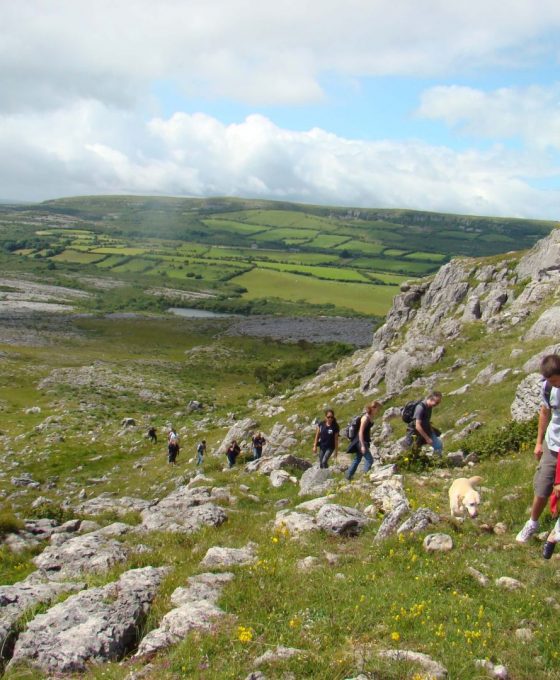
<point>443,105</point>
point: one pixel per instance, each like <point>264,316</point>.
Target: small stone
<point>524,634</point>
<point>478,576</point>
<point>500,529</point>
<point>438,543</point>
<point>307,563</point>
<point>508,583</point>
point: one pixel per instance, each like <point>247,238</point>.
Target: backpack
<point>353,427</point>
<point>407,413</point>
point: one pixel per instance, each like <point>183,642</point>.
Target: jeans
<point>200,458</point>
<point>437,445</point>
<point>257,452</point>
<point>324,455</point>
<point>417,441</point>
<point>231,459</point>
<point>358,455</point>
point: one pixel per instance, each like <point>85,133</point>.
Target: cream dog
<point>462,496</point>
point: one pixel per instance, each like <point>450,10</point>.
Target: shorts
<point>543,480</point>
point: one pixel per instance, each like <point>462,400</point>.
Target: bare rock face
<point>392,520</point>
<point>96,625</point>
<point>374,371</point>
<point>433,669</point>
<point>543,259</point>
<point>547,325</point>
<point>195,609</point>
<point>17,599</point>
<point>239,432</point>
<point>94,552</point>
<point>341,520</point>
<point>218,557</point>
<point>419,521</point>
<point>527,401</point>
<point>403,310</point>
<point>316,482</point>
<point>183,511</point>
<point>267,465</point>
<point>294,523</point>
<point>107,502</point>
<point>533,364</point>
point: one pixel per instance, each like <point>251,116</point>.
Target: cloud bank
<point>78,114</point>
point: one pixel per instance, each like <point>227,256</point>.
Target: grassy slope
<point>378,596</point>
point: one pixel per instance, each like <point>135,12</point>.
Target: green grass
<point>77,257</point>
<point>332,273</point>
<point>367,299</point>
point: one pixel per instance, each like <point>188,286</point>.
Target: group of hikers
<point>420,431</point>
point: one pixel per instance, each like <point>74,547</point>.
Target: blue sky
<point>433,105</point>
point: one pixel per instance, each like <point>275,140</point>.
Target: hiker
<point>172,446</point>
<point>420,430</point>
<point>232,453</point>
<point>258,441</point>
<point>547,445</point>
<point>326,437</point>
<point>152,435</point>
<point>200,450</point>
<point>361,442</point>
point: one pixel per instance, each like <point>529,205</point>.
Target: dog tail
<point>475,480</point>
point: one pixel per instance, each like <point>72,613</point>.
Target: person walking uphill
<point>547,445</point>
<point>200,451</point>
<point>326,437</point>
<point>172,446</point>
<point>258,441</point>
<point>232,453</point>
<point>361,443</point>
<point>420,430</point>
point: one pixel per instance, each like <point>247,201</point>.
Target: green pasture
<point>232,226</point>
<point>332,273</point>
<point>328,241</point>
<point>78,257</point>
<point>283,218</point>
<point>136,264</point>
<point>366,299</point>
<point>355,246</point>
<point>121,250</point>
<point>429,257</point>
<point>271,255</point>
<point>394,252</point>
<point>111,261</point>
<point>459,234</point>
<point>286,233</point>
<point>401,266</point>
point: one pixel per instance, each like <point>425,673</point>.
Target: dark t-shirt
<point>423,413</point>
<point>327,434</point>
<point>259,442</point>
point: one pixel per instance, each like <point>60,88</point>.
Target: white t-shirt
<point>552,436</point>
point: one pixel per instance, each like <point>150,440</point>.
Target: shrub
<point>502,440</point>
<point>9,523</point>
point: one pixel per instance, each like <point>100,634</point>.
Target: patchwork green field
<point>222,247</point>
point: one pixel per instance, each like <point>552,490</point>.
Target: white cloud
<point>531,113</point>
<point>265,52</point>
<point>93,149</point>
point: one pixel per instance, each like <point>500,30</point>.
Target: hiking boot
<point>548,549</point>
<point>528,530</point>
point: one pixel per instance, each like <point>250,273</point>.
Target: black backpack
<point>353,427</point>
<point>407,413</point>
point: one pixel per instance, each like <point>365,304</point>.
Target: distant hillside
<point>256,256</point>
